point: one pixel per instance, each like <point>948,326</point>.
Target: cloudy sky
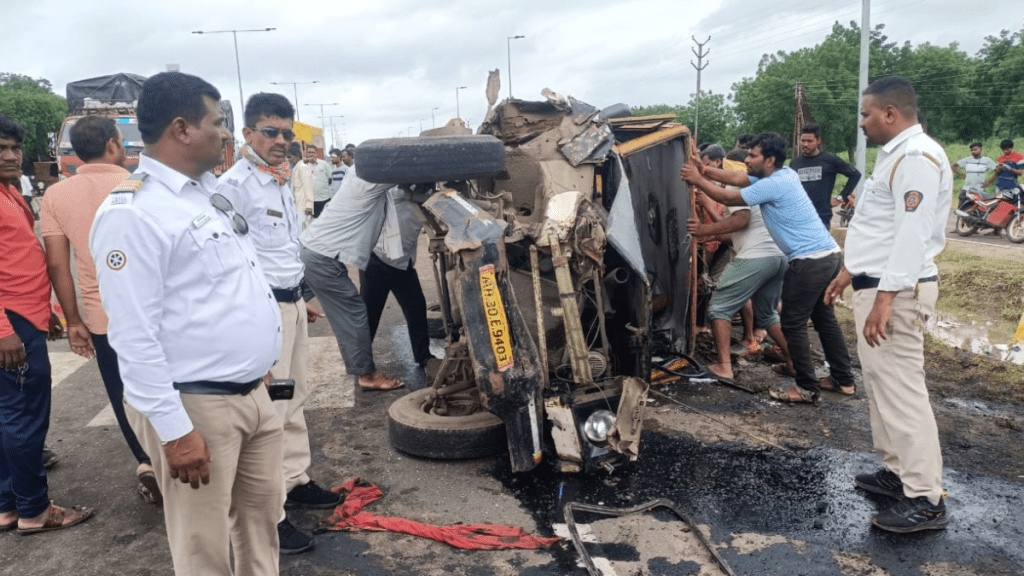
<point>393,66</point>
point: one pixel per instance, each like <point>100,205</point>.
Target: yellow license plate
<point>497,322</point>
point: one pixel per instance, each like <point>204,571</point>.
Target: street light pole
<point>295,92</point>
<point>334,135</point>
<point>238,65</point>
<point>432,123</point>
<point>457,88</point>
<point>508,51</point>
<point>321,105</point>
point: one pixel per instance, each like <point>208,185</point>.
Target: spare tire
<point>415,430</point>
<point>430,159</point>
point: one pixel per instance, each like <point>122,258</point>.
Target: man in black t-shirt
<point>818,169</point>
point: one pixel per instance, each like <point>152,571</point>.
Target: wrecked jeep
<point>558,243</point>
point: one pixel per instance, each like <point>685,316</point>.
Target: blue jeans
<point>24,422</point>
<point>107,360</point>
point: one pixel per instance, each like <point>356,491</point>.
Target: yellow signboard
<point>497,322</point>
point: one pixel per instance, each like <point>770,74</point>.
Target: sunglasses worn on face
<point>271,132</point>
<point>224,205</point>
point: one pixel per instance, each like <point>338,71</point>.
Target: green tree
<point>717,121</point>
<point>32,103</point>
<point>1000,79</point>
<point>829,72</point>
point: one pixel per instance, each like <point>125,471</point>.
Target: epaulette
<point>132,184</point>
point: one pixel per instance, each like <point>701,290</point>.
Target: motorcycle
<point>980,210</point>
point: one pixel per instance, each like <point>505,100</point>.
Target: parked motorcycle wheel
<point>430,159</point>
<point>1015,229</point>
<point>415,430</point>
<point>963,228</point>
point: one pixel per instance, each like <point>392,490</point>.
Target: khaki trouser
<point>902,423</point>
<point>237,510</point>
<point>294,363</point>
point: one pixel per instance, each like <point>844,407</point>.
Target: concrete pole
<point>862,142</point>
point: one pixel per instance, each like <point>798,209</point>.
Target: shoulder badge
<point>911,200</point>
<point>132,184</point>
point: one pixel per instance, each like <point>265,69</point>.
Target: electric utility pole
<point>862,84</point>
<point>700,53</point>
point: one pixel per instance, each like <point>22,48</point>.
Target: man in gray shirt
<point>345,233</point>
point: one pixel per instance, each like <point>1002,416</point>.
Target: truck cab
<point>68,162</point>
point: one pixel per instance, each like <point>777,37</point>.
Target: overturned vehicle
<point>558,241</point>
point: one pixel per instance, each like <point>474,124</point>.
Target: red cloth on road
<point>357,493</point>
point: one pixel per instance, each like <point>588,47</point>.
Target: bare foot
<point>721,370</point>
<point>378,381</point>
<point>8,520</point>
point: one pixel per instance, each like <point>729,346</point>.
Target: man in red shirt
<point>25,321</point>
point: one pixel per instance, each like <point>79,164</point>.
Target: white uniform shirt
<point>186,296</point>
<point>900,224</point>
<point>274,228</point>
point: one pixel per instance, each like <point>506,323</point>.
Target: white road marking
<point>64,364</point>
<point>104,418</point>
<point>603,565</point>
<point>332,385</point>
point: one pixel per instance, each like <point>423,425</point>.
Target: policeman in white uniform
<point>196,329</point>
<point>257,186</point>
<point>891,246</point>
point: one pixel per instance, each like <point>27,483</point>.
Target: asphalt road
<point>768,509</point>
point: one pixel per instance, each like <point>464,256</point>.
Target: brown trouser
<point>237,511</point>
<point>902,423</point>
<point>294,363</point>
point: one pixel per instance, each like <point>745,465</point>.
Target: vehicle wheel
<point>1015,229</point>
<point>430,159</point>
<point>415,430</point>
<point>963,228</point>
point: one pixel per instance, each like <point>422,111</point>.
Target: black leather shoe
<point>292,541</point>
<point>310,495</point>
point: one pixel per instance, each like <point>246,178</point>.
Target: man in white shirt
<point>754,274</point>
<point>890,260</point>
<point>973,169</point>
<point>257,186</point>
<point>196,330</point>
<point>320,177</point>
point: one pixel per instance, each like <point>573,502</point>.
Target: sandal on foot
<point>148,488</point>
<point>381,383</point>
<point>829,383</point>
<point>56,519</point>
<point>781,369</point>
<point>742,350</point>
<point>794,395</point>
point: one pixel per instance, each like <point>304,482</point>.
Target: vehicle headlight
<point>598,425</point>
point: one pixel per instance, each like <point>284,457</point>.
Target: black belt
<point>288,294</point>
<point>865,282</point>
<point>222,388</point>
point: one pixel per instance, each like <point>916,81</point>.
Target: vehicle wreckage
<point>557,236</point>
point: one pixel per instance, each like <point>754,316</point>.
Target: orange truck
<point>115,96</point>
